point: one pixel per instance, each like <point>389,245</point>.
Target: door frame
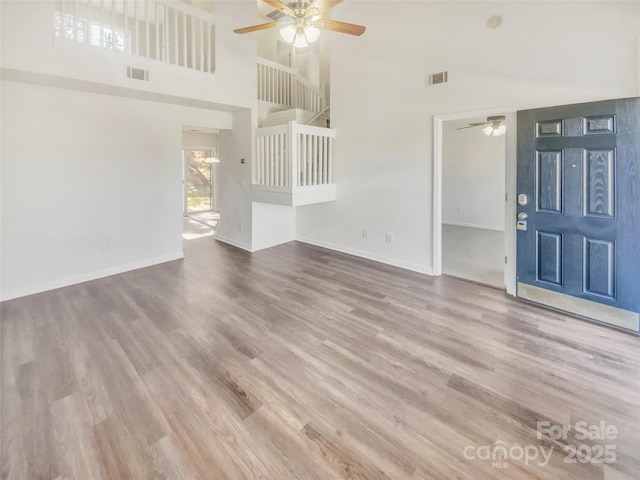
<point>510,189</point>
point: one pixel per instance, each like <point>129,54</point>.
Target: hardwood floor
<point>301,363</point>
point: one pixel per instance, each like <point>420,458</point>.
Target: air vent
<point>440,77</point>
<point>138,74</point>
<point>276,15</point>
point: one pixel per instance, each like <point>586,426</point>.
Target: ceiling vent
<point>137,74</point>
<point>440,77</point>
<point>277,15</point>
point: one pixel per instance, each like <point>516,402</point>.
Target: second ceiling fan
<point>493,126</point>
<point>305,22</point>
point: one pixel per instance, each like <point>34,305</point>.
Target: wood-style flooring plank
<point>299,363</point>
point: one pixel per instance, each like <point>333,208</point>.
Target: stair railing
<point>318,115</point>
<point>285,87</point>
<point>293,155</point>
<point>167,31</point>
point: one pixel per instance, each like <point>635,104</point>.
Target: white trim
<point>234,243</point>
<point>473,225</point>
<point>510,189</point>
<point>581,306</point>
<point>369,256</point>
<point>87,277</point>
<point>510,204</point>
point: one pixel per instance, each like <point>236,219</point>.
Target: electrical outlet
<point>389,238</point>
<point>106,247</point>
<point>240,226</point>
<point>365,233</point>
<point>459,210</point>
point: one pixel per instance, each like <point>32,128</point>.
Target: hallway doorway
<point>199,180</point>
<point>474,184</point>
<point>473,210</point>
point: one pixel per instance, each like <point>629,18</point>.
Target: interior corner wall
<point>235,222</point>
<point>272,225</point>
<point>543,54</point>
<point>473,177</point>
<point>91,184</point>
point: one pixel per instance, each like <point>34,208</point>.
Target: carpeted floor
<point>474,254</point>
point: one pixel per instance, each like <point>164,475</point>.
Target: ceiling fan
<point>305,22</point>
<point>493,126</point>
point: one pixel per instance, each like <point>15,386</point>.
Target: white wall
<point>545,53</point>
<point>199,139</point>
<point>81,170</point>
<point>104,166</point>
<point>473,177</point>
<point>235,185</point>
<point>272,225</point>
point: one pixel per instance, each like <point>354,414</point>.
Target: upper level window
<point>171,32</point>
<point>102,35</point>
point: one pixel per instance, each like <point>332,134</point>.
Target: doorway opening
<point>200,179</point>
<point>474,185</point>
<point>473,209</point>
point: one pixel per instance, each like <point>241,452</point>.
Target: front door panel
<point>578,237</point>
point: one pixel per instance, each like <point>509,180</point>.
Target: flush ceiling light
<point>494,22</point>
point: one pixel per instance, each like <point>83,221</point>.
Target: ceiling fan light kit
<point>495,131</point>
<point>306,22</point>
<point>492,127</point>
<point>300,35</point>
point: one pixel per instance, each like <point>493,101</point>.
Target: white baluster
<point>293,155</point>
<point>329,179</point>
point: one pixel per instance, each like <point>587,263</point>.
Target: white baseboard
<point>369,256</point>
<point>473,225</point>
<point>87,277</point>
<point>235,243</point>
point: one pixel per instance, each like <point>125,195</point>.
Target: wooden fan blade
<point>471,125</point>
<point>278,5</point>
<point>341,27</point>
<point>262,26</point>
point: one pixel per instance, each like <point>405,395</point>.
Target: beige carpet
<point>474,254</point>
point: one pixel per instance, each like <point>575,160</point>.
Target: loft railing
<point>293,155</point>
<point>285,87</point>
<point>168,31</point>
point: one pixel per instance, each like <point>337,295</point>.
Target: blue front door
<point>578,238</point>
